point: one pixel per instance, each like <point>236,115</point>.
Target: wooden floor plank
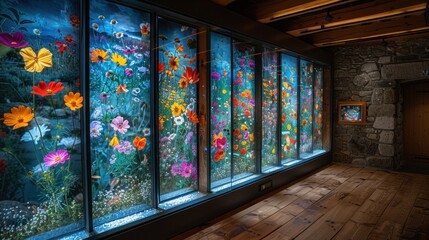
<point>338,202</point>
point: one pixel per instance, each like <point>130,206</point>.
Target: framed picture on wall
<point>352,112</point>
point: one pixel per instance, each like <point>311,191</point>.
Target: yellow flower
<point>35,63</point>
<point>289,127</point>
<point>73,100</point>
<point>177,109</point>
<point>118,59</point>
<point>243,143</point>
<point>174,63</point>
<point>224,91</point>
<point>244,127</point>
<point>251,137</point>
<point>19,117</point>
<point>273,151</point>
<point>114,141</point>
<point>183,83</point>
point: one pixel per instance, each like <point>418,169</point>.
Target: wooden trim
<point>398,26</point>
<point>327,92</point>
<point>362,106</point>
<point>360,13</point>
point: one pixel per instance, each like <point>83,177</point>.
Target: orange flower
<point>19,117</point>
<point>73,100</point>
<point>139,143</point>
<point>98,55</point>
<point>183,84</point>
<point>122,88</point>
<point>193,117</point>
<point>191,76</point>
<point>219,155</point>
<point>174,63</point>
<point>236,147</point>
<point>243,151</point>
<point>74,21</point>
<point>50,90</point>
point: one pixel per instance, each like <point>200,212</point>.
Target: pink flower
<point>14,41</point>
<point>129,72</point>
<point>118,124</point>
<point>186,169</point>
<point>175,170</point>
<point>52,159</point>
<point>220,142</point>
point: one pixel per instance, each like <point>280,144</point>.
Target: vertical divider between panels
<point>85,122</point>
<point>207,147</point>
<point>279,108</point>
<point>202,106</point>
<point>154,112</point>
<point>258,108</point>
<point>298,109</point>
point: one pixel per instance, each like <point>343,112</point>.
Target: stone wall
<point>373,73</point>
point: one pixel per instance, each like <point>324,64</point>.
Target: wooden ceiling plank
<point>268,10</point>
<point>380,29</point>
<point>359,13</point>
<point>223,2</point>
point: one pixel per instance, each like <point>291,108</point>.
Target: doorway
<point>416,127</point>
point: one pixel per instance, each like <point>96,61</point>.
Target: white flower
<point>179,120</point>
<point>69,142</point>
<point>35,134</point>
<point>172,136</point>
<point>146,132</point>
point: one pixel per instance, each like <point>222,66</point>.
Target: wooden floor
<point>337,202</point>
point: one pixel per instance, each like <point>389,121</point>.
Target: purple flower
<point>129,72</point>
<point>52,159</point>
<point>215,76</point>
<point>251,63</point>
<point>246,135</point>
<point>189,137</point>
<point>252,102</point>
<point>95,128</point>
<point>120,125</point>
<point>175,170</point>
<point>241,63</point>
<point>14,41</point>
<point>186,169</point>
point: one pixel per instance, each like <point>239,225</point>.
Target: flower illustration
<point>120,125</point>
<point>161,67</point>
<point>52,159</point>
<point>122,88</point>
<point>139,142</point>
<point>183,84</point>
<point>179,120</point>
<point>19,117</point>
<point>35,134</point>
<point>146,132</point>
<point>14,41</point>
<point>3,166</point>
<point>114,142</point>
<point>69,142</point>
<point>191,76</point>
<point>113,22</point>
<point>144,28</point>
<point>118,59</point>
<point>74,21</point>
<point>36,63</point>
<point>219,155</point>
<point>119,35</point>
<point>36,32</point>
<point>177,109</point>
<point>73,100</point>
<point>95,129</point>
<point>95,26</point>
<point>174,63</point>
<point>50,90</point>
<point>129,72</point>
<point>193,117</point>
<point>99,56</point>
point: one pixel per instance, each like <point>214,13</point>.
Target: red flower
<point>62,47</point>
<point>219,155</point>
<point>74,21</point>
<point>3,166</point>
<point>161,67</point>
<point>68,39</point>
<point>50,90</point>
<point>243,151</point>
<point>191,76</point>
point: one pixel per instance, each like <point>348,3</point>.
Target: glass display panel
<point>269,110</point>
<point>289,107</point>
<point>120,127</point>
<point>306,107</point>
<point>243,113</point>
<point>177,106</point>
<point>220,110</point>
<point>40,137</point>
<point>318,109</point>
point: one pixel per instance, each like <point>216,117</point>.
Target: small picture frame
<point>352,112</point>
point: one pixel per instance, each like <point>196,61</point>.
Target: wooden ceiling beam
<point>403,25</point>
<point>223,2</point>
<point>364,12</point>
<point>273,10</point>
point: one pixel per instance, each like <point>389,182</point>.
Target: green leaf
<point>16,13</point>
<point>23,29</point>
<point>25,21</point>
<point>6,16</point>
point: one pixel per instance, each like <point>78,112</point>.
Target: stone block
<point>369,67</point>
<point>372,136</point>
<point>385,123</point>
<point>365,93</point>
<point>387,136</point>
<point>380,162</point>
<point>389,96</point>
<point>374,76</point>
<point>361,80</point>
<point>380,110</point>
<point>384,60</point>
<point>404,71</point>
<point>387,150</point>
<point>377,96</point>
<point>373,110</point>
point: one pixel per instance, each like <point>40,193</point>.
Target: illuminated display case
<point>102,123</point>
